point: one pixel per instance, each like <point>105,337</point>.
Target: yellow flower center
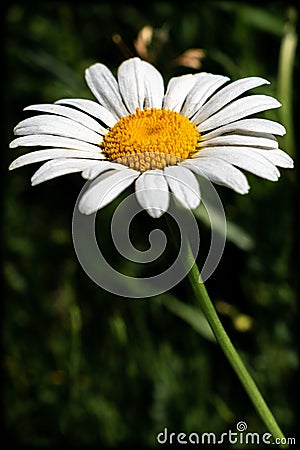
<point>151,139</point>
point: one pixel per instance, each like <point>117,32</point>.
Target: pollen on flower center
<point>151,139</point>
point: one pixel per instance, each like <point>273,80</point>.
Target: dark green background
<point>81,366</point>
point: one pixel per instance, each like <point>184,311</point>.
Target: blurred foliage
<point>81,366</point>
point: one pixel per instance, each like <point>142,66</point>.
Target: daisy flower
<point>160,140</point>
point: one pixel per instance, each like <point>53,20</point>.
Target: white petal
<point>239,140</point>
<point>59,126</point>
<point>105,88</point>
<point>58,167</point>
<point>131,84</point>
<point>48,140</point>
<point>152,192</point>
<point>256,125</point>
<point>92,172</point>
<point>71,113</point>
<point>177,90</point>
<point>154,86</point>
<point>140,84</point>
<point>43,155</point>
<point>245,158</point>
<point>205,85</point>
<point>220,172</point>
<point>184,185</point>
<point>92,108</point>
<point>105,189</point>
<point>227,94</point>
<point>277,157</point>
<point>238,109</point>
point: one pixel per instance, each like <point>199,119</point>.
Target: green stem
<point>229,350</point>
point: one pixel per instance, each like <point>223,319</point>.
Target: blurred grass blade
<point>285,78</point>
<point>258,17</point>
<point>234,233</point>
<point>193,316</point>
<point>69,77</point>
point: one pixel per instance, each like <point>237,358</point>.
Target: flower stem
<point>230,352</point>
